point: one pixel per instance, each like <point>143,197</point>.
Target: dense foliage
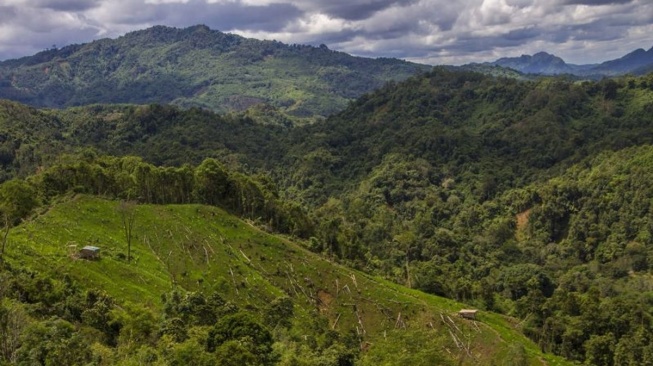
<point>456,185</point>
<point>131,179</point>
<point>46,321</point>
<point>529,198</point>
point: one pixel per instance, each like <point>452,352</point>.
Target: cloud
<point>231,15</point>
<point>356,10</point>
<point>433,31</point>
<point>65,5</point>
<point>596,2</point>
<point>225,15</point>
<point>6,14</point>
<point>522,34</point>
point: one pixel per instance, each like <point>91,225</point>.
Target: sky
<point>427,31</point>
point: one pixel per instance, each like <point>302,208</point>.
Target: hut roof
<point>468,311</point>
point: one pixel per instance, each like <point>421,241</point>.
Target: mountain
<point>543,63</point>
<point>201,67</point>
<point>539,63</point>
<point>631,62</point>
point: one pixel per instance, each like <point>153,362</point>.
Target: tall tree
<point>17,200</point>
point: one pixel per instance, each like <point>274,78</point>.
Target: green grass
<point>205,249</point>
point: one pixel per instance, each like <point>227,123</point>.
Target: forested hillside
<point>500,193</point>
<point>198,67</point>
<point>179,283</point>
<point>528,198</point>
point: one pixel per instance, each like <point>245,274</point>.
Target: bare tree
<point>127,211</point>
<point>13,321</point>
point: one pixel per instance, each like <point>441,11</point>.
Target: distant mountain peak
<point>638,61</point>
<point>543,54</point>
<point>631,62</point>
<point>539,63</point>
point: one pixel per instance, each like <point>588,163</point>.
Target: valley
<point>293,205</point>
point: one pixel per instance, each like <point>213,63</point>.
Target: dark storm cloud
<point>223,16</point>
<point>471,43</point>
<point>520,4</point>
<point>596,2</point>
<point>66,5</point>
<point>596,31</point>
<point>7,13</point>
<point>334,37</point>
<point>391,27</point>
<point>135,14</point>
<point>347,35</point>
<point>357,9</point>
<point>231,15</point>
<point>523,34</point>
<point>560,35</point>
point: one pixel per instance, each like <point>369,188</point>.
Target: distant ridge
<point>539,63</point>
<point>630,63</point>
<point>200,67</point>
<point>636,62</point>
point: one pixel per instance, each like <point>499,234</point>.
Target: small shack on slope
<point>468,313</point>
<point>89,253</point>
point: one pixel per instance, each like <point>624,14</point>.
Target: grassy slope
<point>199,247</point>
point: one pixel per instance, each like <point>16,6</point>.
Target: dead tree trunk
<point>5,236</point>
<point>127,210</point>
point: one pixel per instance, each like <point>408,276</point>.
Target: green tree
<point>53,342</point>
<point>279,313</point>
<point>17,200</point>
<point>211,182</point>
<point>236,353</point>
<point>247,332</point>
<point>599,350</point>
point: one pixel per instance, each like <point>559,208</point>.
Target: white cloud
<point>316,24</point>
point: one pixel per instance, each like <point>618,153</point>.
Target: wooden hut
<point>89,252</point>
<point>468,313</point>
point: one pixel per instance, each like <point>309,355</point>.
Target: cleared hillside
<point>203,249</point>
